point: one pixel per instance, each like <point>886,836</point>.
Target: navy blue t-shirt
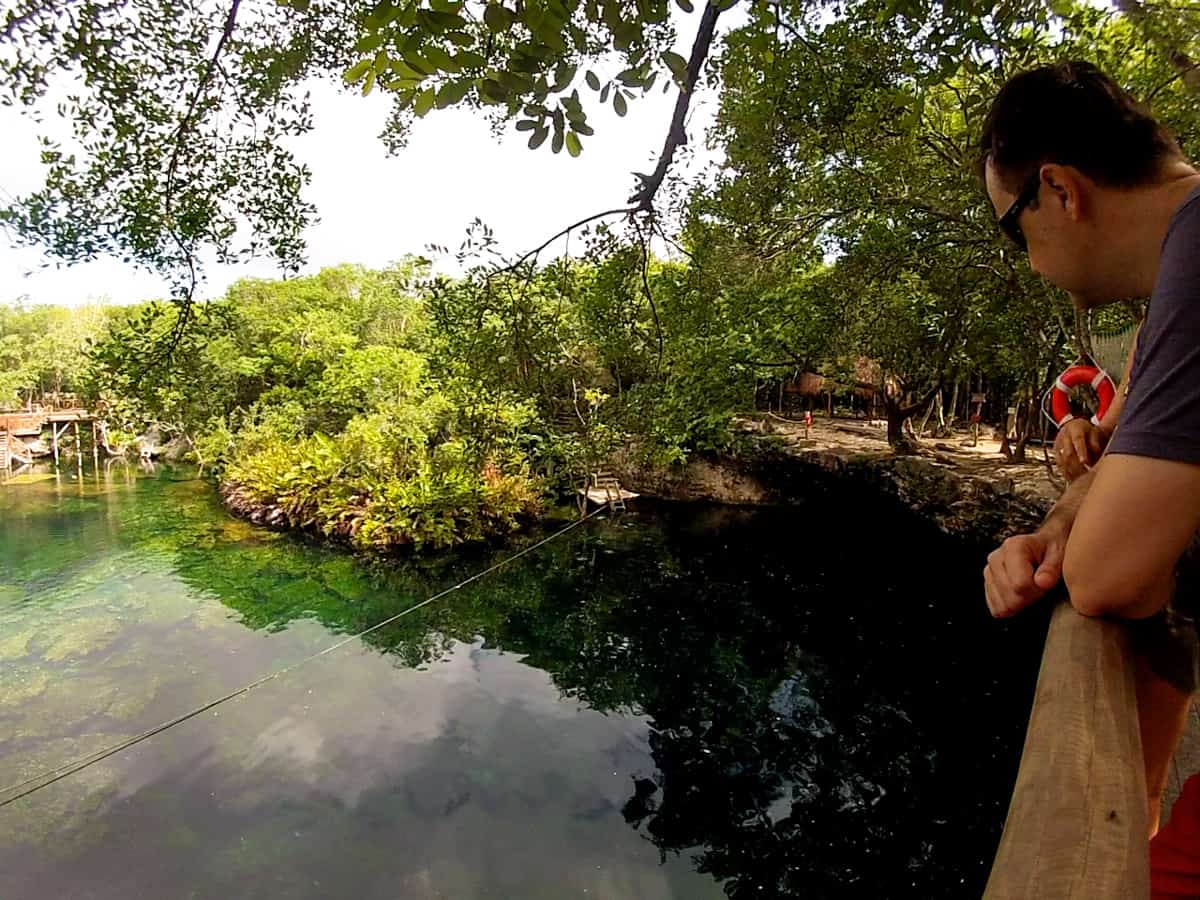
<point>1161,418</point>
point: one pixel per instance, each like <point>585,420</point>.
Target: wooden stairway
<point>13,449</point>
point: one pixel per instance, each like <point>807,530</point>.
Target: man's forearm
<point>1062,516</point>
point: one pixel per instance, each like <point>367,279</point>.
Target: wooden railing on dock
<point>1077,826</point>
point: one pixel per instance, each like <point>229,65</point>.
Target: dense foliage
<point>843,233</point>
<point>179,115</point>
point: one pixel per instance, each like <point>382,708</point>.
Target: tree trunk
<point>895,424</point>
<point>897,415</point>
<point>1021,430</point>
<point>935,403</point>
<point>947,425</point>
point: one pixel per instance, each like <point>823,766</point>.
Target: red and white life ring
<point>1060,405</point>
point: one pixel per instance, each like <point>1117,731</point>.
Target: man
<point>1105,204</point>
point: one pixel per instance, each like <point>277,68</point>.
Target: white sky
<point>373,208</point>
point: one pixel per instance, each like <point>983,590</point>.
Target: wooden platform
<point>601,496</point>
<point>30,423</point>
<point>603,489</point>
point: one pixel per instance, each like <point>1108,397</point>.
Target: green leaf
<point>469,59</point>
<point>493,90</point>
<point>573,146</point>
<point>370,43</point>
<point>556,143</point>
<point>620,107</point>
<point>452,92</point>
<point>604,93</point>
<point>592,81</point>
<point>405,71</point>
<point>685,5</point>
<point>496,17</point>
<point>424,102</point>
<point>564,74</point>
<point>554,41</point>
<point>440,58</point>
<point>419,63</point>
<point>538,138</point>
<point>369,84</point>
<point>526,125</point>
<point>630,77</point>
<point>357,71</point>
<point>677,64</point>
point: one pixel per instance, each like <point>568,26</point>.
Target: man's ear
<point>1068,188</point>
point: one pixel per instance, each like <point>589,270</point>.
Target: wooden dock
<point>604,489</point>
<point>30,423</point>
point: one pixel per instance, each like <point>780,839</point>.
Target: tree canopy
<point>179,114</point>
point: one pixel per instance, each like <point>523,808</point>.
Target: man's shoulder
<point>1179,267</point>
<point>1185,224</point>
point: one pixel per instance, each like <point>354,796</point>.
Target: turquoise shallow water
<point>687,702</point>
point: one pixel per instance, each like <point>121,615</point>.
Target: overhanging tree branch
<point>677,134</point>
<point>186,122</point>
<point>624,210</point>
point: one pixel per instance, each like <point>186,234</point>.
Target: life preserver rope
<point>1097,378</point>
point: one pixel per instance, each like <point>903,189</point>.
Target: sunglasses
<point>1010,222</point>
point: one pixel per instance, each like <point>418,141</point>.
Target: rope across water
<point>15,792</point>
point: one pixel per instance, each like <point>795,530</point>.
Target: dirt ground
<point>858,437</point>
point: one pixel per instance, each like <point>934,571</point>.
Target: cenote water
<point>684,702</point>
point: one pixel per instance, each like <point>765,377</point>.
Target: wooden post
<point>54,440</point>
<point>95,446</point>
<point>78,450</point>
<point>1077,824</point>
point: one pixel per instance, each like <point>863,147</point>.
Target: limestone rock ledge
<point>972,506</point>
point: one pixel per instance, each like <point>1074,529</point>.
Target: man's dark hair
<point>1073,114</point>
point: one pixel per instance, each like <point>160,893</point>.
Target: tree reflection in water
<point>833,713</point>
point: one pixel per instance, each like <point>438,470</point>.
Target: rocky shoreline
<point>978,500</point>
<point>976,496</point>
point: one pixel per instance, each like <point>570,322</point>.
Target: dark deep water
<point>686,702</point>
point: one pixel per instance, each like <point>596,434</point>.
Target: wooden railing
<point>1076,826</point>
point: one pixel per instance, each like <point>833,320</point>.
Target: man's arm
<point>1026,566</point>
<point>1133,523</point>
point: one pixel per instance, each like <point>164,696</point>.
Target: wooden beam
<point>1077,824</point>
